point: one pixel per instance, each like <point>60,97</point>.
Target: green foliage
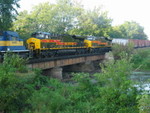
<point>94,22</point>
<point>14,89</point>
<point>7,13</point>
<point>64,98</point>
<point>22,26</point>
<point>54,18</point>
<point>14,61</point>
<point>65,16</point>
<point>141,59</point>
<point>128,30</point>
<point>68,16</point>
<point>84,93</point>
<point>118,49</point>
<point>14,92</point>
<point>144,104</point>
<point>17,88</point>
<point>117,94</point>
<point>108,92</point>
<point>49,99</point>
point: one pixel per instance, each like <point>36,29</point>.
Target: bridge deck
<point>64,62</point>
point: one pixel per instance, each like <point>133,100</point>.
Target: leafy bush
<point>117,94</point>
<point>14,89</point>
<point>141,59</point>
<point>144,103</point>
<point>117,49</point>
<point>14,92</point>
<point>14,61</point>
<point>50,98</point>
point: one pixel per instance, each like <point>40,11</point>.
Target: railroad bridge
<point>54,67</point>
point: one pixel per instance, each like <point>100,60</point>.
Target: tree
<point>93,22</point>
<point>7,13</point>
<point>65,16</point>
<point>57,18</point>
<point>114,32</point>
<point>129,30</point>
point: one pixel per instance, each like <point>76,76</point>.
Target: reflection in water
<point>141,80</point>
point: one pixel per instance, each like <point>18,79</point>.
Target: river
<point>141,80</point>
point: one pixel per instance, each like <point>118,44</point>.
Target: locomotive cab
<point>10,41</point>
<point>33,44</point>
<point>88,41</point>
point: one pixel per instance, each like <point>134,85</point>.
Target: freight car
<point>136,42</point>
<point>43,44</point>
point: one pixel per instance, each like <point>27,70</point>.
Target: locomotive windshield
<point>41,35</point>
<point>91,38</point>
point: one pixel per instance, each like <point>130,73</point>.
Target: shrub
<point>49,99</point>
<point>117,49</point>
<point>117,95</point>
<point>144,103</point>
<point>14,92</point>
<point>14,61</point>
<point>14,89</point>
<point>141,59</point>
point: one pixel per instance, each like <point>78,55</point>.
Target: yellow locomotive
<point>47,44</point>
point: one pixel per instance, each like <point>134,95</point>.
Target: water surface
<point>141,80</point>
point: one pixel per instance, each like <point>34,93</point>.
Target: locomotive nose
<point>31,46</point>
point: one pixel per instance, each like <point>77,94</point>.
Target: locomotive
<point>47,44</point>
<point>44,44</point>
<point>10,41</point>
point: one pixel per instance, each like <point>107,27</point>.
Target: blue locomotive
<point>10,41</point>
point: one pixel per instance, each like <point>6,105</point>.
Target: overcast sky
<point>119,10</point>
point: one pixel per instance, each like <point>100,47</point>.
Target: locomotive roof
<point>9,33</point>
<point>39,32</point>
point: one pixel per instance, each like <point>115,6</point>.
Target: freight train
<point>43,44</point>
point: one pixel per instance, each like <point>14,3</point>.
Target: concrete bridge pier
<point>55,72</point>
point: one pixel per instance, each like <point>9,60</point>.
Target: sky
<point>119,10</point>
